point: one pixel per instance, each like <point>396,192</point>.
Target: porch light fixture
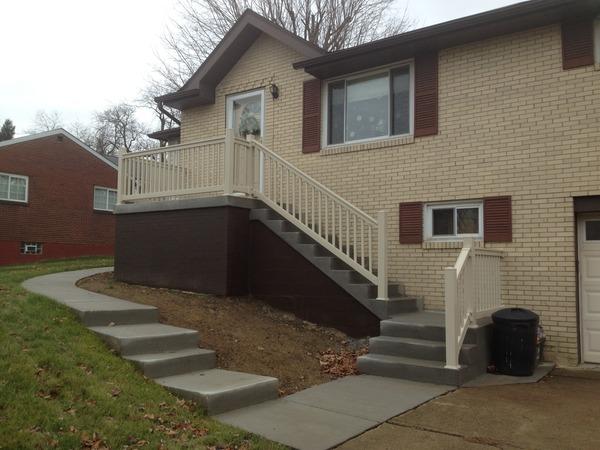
<point>274,91</point>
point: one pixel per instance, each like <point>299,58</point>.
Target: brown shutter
<point>497,219</point>
<point>577,43</point>
<point>411,223</point>
<point>426,94</point>
<point>311,116</point>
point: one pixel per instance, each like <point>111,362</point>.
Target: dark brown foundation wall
<point>202,250</point>
<point>218,250</point>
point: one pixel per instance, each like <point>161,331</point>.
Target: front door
<point>589,286</point>
<point>245,113</point>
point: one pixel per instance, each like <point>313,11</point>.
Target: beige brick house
<point>484,128</point>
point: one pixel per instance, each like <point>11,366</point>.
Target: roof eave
<point>500,21</point>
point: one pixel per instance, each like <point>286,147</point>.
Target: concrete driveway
<point>562,411</point>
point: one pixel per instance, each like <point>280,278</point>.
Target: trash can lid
<point>520,315</point>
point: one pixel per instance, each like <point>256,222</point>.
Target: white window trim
<point>361,74</point>
<point>23,177</point>
<point>37,245</point>
<point>229,107</point>
<point>107,189</point>
<point>428,220</point>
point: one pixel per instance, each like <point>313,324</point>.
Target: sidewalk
<point>327,415</point>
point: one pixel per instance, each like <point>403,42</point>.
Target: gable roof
<point>59,132</point>
<point>200,88</point>
<point>509,19</point>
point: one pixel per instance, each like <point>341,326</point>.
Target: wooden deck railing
<point>472,290</point>
<point>229,165</point>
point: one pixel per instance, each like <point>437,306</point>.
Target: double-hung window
<point>13,187</point>
<point>454,221</point>
<point>105,199</point>
<point>370,106</point>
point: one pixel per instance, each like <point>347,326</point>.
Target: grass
<point>60,387</point>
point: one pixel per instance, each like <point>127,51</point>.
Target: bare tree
<point>45,121</point>
<point>117,128</point>
<point>331,24</point>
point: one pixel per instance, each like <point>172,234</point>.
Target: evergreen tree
<point>7,131</point>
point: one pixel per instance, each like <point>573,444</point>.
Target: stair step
<point>410,369</point>
<point>418,325</point>
<point>157,365</point>
<point>146,338</point>
<point>418,348</point>
<point>219,391</point>
<point>115,313</point>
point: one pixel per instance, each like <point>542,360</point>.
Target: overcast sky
<point>77,56</point>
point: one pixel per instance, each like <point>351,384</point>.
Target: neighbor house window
<point>454,220</point>
<point>105,199</point>
<point>13,187</point>
<point>369,106</point>
<point>31,248</point>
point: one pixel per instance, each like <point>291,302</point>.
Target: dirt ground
<point>559,412</point>
<point>247,334</point>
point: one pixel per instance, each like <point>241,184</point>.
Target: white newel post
<point>450,298</point>
<point>228,162</point>
<point>382,259</point>
<point>120,175</point>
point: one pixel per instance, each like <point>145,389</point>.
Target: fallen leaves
<point>93,442</point>
<point>340,363</point>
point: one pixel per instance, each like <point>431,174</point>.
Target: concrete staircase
<point>348,279</point>
<point>168,354</point>
<point>411,346</point>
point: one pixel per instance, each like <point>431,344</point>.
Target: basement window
<point>105,199</point>
<point>452,221</point>
<point>31,248</point>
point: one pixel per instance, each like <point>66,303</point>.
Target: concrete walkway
<point>168,354</point>
<point>317,418</point>
<point>327,415</point>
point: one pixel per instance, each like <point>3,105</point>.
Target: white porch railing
<point>472,290</point>
<point>231,165</point>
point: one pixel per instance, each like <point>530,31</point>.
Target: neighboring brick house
<point>57,198</point>
<point>484,127</point>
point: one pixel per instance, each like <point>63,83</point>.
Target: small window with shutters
<point>488,219</point>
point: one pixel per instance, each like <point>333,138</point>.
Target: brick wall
<point>511,122</point>
<point>59,212</point>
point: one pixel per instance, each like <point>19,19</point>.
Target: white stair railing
<point>230,165</point>
<point>356,238</point>
<point>472,290</point>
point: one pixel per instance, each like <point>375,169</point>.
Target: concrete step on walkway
<point>168,354</point>
<point>147,338</point>
<point>327,415</point>
<point>157,365</point>
<point>222,390</point>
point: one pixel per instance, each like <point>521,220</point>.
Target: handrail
<point>170,148</point>
<point>335,223</point>
<point>472,290</point>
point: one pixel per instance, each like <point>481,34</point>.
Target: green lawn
<point>60,387</point>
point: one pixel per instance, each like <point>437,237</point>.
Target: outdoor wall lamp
<point>274,91</point>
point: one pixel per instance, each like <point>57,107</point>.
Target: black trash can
<point>514,342</point>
